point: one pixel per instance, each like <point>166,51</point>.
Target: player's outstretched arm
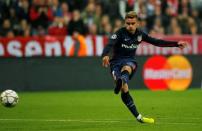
<point>163,43</point>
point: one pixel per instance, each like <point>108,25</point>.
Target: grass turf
<point>103,111</point>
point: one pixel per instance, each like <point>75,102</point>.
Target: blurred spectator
<point>174,27</point>
<point>104,22</point>
<point>57,30</point>
<point>25,29</point>
<point>184,7</point>
<point>98,14</point>
<point>22,9</point>
<point>40,14</point>
<point>158,28</point>
<point>141,9</point>
<point>10,34</point>
<point>88,14</point>
<point>195,16</point>
<point>167,16</point>
<point>4,12</point>
<point>111,7</point>
<point>143,25</point>
<point>101,17</point>
<point>62,17</point>
<point>6,27</point>
<point>151,7</point>
<point>15,25</point>
<point>76,23</point>
<point>128,5</point>
<point>122,8</point>
<point>118,23</point>
<point>107,30</point>
<point>164,19</point>
<point>192,26</point>
<point>76,4</point>
<point>183,23</point>
<point>172,5</point>
<point>66,15</point>
<point>79,47</point>
<point>93,29</point>
<point>56,8</point>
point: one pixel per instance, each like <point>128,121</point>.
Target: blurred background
<point>97,17</point>
<point>53,44</point>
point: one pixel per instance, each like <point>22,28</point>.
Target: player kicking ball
<point>124,43</point>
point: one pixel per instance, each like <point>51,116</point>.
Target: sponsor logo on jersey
<point>132,46</point>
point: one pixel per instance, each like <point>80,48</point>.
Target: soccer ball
<point>9,98</point>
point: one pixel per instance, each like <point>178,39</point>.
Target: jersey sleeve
<point>114,38</point>
<point>158,42</point>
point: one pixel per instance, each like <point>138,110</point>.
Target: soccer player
<point>124,43</point>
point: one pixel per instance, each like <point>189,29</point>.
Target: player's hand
<point>105,61</point>
<point>182,44</point>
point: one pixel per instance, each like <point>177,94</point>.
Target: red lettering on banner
<point>2,52</point>
<point>53,49</point>
<point>33,48</point>
<point>61,46</point>
<point>14,48</point>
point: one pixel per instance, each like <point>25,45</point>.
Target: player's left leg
<point>126,71</point>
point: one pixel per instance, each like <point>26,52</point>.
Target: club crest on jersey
<point>114,36</point>
<point>139,38</point>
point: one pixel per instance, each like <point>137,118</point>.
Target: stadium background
<point>53,44</point>
<point>50,54</point>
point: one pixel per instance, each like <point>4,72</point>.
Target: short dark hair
<point>131,14</point>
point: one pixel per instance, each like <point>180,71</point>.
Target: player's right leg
<point>127,98</point>
<point>128,101</point>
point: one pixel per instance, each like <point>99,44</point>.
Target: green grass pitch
<point>103,111</point>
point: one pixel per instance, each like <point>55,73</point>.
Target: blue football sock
<point>128,101</point>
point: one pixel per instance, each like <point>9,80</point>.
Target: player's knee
<point>127,68</point>
<point>124,88</point>
<point>125,76</point>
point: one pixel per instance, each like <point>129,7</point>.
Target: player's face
<point>131,24</point>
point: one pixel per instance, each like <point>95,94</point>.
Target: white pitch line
<point>63,120</point>
<point>185,118</point>
<point>97,121</point>
<point>178,123</point>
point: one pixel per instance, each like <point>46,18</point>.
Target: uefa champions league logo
<point>139,38</point>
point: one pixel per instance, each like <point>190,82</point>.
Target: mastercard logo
<point>161,73</point>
